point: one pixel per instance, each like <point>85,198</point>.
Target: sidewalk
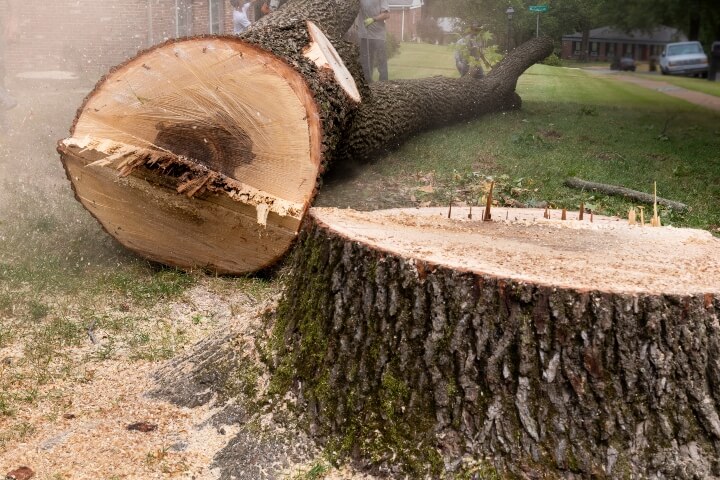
<point>703,99</point>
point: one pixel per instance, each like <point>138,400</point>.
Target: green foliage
<point>429,31</point>
<point>552,61</point>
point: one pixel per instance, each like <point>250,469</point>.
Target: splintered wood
<point>606,254</point>
<point>180,156</point>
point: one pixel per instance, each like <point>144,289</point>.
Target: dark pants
<point>372,52</point>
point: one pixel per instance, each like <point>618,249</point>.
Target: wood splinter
<point>642,216</point>
<point>563,216</point>
<point>470,213</point>
<point>655,221</point>
<point>547,213</point>
<point>488,216</point>
<point>632,217</point>
<point>450,209</point>
<point>582,210</point>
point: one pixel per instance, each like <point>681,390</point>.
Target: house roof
<point>660,35</point>
<point>401,4</point>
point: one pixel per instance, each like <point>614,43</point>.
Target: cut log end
<point>216,176</point>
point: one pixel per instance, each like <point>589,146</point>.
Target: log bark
<point>206,152</point>
<point>400,109</point>
<point>643,197</point>
<point>447,354</point>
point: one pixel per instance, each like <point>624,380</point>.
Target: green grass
<point>574,124</point>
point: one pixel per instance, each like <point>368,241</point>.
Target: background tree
<point>698,19</point>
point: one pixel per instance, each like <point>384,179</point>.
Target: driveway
<point>703,99</point>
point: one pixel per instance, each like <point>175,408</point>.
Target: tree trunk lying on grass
<point>528,346</point>
<point>643,197</point>
<point>205,152</point>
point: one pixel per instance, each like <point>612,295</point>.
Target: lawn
<point>571,124</point>
<point>418,60</point>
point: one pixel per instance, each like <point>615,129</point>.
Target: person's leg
<point>381,58</point>
<point>365,59</point>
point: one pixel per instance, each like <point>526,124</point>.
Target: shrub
<point>553,60</point>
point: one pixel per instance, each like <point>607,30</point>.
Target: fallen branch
<point>575,182</point>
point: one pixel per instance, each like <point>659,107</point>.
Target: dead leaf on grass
<point>142,427</point>
<point>551,133</point>
<point>427,189</point>
<point>22,473</point>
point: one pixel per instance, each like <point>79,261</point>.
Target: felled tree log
<point>206,152</point>
<point>530,347</point>
<point>628,193</point>
<point>400,109</point>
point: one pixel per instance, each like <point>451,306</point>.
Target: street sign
<point>538,8</point>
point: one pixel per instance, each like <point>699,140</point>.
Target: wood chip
<point>142,427</point>
<point>22,473</point>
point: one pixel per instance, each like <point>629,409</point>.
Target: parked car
<point>627,64</point>
<point>684,58</point>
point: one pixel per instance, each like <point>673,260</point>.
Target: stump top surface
<point>605,255</point>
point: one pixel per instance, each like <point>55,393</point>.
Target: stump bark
<point>520,347</point>
<point>206,152</point>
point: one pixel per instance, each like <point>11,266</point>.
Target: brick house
<point>606,42</point>
<point>404,17</point>
<point>89,36</point>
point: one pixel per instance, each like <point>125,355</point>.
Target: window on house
<point>594,49</point>
<point>183,15</point>
<point>216,16</point>
<point>610,49</point>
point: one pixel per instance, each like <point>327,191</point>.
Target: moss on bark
<point>430,367</point>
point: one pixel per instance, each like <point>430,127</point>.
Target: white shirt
<point>241,22</point>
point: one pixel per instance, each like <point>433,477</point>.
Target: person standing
<point>241,20</point>
<point>469,52</point>
<point>371,33</point>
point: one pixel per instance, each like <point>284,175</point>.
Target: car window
<point>684,49</point>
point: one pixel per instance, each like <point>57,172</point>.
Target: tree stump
<point>519,346</point>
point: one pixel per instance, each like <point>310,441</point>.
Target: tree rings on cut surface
<point>199,153</point>
<point>606,254</point>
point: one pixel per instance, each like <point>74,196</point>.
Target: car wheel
<point>663,71</point>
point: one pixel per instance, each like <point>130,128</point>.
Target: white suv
<point>684,58</point>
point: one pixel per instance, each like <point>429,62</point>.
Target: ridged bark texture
<point>396,110</point>
<point>396,358</point>
<point>334,17</point>
<point>285,34</point>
